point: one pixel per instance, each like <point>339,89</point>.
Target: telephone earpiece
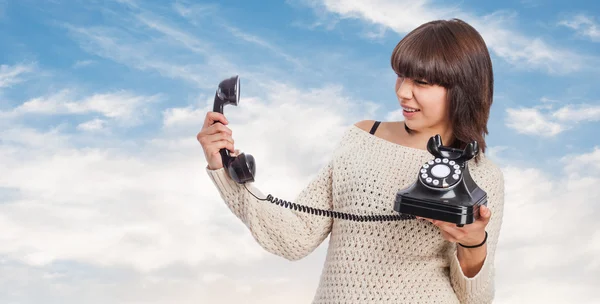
<point>241,168</point>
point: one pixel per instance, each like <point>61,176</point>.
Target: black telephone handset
<point>440,192</point>
<point>241,168</point>
<point>444,189</point>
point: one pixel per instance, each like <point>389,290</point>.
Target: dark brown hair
<point>452,54</point>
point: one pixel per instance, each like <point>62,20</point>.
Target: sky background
<point>103,193</point>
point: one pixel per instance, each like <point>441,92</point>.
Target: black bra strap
<point>375,125</point>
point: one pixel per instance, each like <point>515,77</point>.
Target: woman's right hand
<point>213,137</point>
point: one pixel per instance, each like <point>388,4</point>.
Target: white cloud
<point>183,116</point>
<point>123,47</point>
<point>531,121</point>
<point>199,62</point>
<point>547,122</point>
<point>284,111</point>
<point>93,125</point>
<point>15,135</point>
<point>495,152</point>
<point>584,26</point>
<point>10,75</point>
<point>123,106</point>
<point>531,260</point>
<point>548,100</point>
<point>520,50</point>
<point>395,115</point>
<point>180,37</point>
<point>82,63</point>
<point>400,16</point>
<point>141,209</point>
<point>578,113</point>
<point>583,164</point>
<point>194,11</point>
<point>264,44</point>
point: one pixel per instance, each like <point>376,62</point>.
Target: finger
<point>203,135</point>
<point>484,214</point>
<point>213,117</point>
<point>216,128</point>
<point>450,228</point>
<point>221,144</point>
<point>213,138</point>
<point>446,227</point>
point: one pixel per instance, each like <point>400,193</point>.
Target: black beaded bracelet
<point>475,246</point>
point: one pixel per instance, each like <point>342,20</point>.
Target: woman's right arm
<point>282,231</point>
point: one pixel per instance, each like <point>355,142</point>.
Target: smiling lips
<point>409,112</point>
<point>409,109</point>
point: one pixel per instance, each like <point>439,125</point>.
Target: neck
<point>422,137</point>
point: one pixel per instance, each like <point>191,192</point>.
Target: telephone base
<point>459,215</point>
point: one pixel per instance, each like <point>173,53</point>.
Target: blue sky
<point>291,41</point>
<point>100,103</point>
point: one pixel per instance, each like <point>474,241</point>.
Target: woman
<point>445,85</point>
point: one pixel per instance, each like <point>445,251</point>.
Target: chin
<point>417,127</point>
<point>411,125</point>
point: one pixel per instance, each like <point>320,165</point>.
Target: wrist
<point>475,244</point>
<point>209,167</point>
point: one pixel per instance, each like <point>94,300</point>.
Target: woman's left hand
<point>468,235</point>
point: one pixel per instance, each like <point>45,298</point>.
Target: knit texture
<point>370,262</point>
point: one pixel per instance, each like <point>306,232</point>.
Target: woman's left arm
<point>472,269</point>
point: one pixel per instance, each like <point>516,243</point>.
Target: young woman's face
<point>428,99</point>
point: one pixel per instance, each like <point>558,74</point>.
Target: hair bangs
<point>421,55</point>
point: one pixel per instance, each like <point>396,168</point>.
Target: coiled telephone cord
<point>335,214</point>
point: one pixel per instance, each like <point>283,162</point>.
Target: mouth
<point>410,110</point>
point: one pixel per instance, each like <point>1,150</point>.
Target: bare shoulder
<point>365,124</point>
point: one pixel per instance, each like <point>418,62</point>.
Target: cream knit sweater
<point>370,262</point>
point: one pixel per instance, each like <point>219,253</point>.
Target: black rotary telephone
<point>444,189</point>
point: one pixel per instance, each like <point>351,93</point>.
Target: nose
<point>404,88</point>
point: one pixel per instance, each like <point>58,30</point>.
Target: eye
<point>422,82</point>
